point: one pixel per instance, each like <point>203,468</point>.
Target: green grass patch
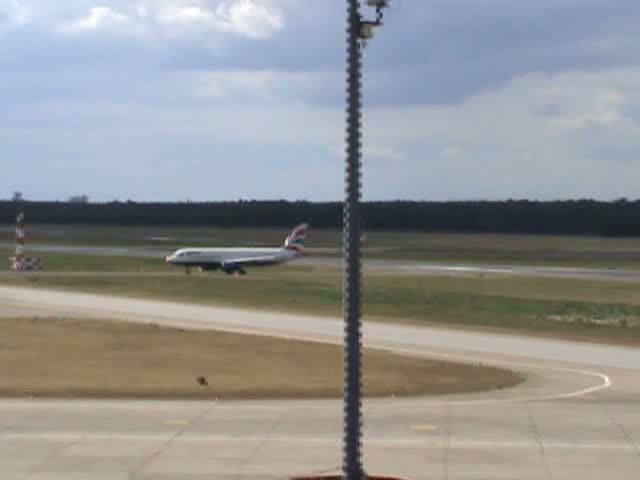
<point>65,262</point>
<point>597,311</point>
<point>547,250</point>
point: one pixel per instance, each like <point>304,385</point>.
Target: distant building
<point>79,199</point>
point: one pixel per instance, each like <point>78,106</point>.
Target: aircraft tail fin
<point>295,240</point>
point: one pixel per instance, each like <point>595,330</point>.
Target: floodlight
<point>367,30</point>
<point>378,3</point>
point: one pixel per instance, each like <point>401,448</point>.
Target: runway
<point>576,417</point>
<point>379,265</point>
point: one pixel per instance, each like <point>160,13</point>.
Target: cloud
<point>538,100</point>
<point>452,152</point>
<point>605,112</point>
<point>593,119</point>
<point>371,151</point>
<point>186,15</point>
<point>250,18</point>
<point>241,85</point>
<point>247,86</point>
<point>162,136</point>
<point>98,19</point>
<point>460,55</point>
<point>14,13</point>
<point>255,19</point>
<point>383,152</point>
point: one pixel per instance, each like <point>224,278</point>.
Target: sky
<point>207,100</point>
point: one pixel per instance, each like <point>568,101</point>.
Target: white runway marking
<point>604,384</point>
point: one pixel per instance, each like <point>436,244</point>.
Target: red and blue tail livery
<point>295,240</point>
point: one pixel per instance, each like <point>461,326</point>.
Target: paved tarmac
<point>381,265</point>
<point>576,417</point>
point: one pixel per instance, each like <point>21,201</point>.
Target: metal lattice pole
<point>358,32</point>
<point>352,460</point>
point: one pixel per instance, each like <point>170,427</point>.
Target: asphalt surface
<point>576,417</point>
<point>379,265</point>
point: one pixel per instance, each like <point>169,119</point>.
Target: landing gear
<point>187,270</point>
<point>236,272</point>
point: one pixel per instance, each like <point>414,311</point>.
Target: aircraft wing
<point>252,261</point>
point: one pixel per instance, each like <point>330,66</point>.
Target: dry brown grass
<point>87,358</point>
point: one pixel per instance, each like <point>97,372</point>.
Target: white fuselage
<point>216,257</point>
<point>235,260</point>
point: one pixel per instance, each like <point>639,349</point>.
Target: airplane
<point>234,260</point>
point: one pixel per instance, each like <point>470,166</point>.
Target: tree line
<point>575,217</point>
